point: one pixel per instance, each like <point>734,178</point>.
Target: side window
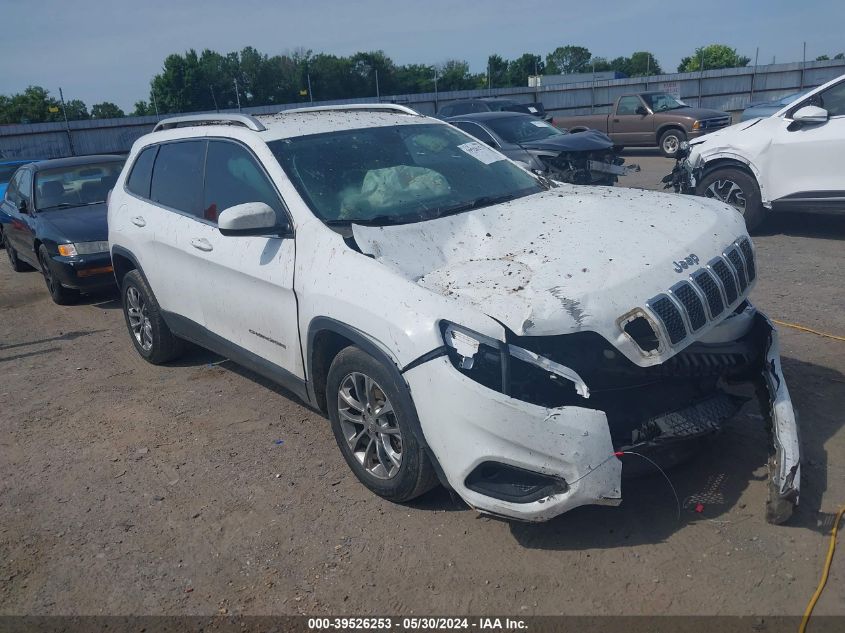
<point>833,99</point>
<point>232,176</point>
<point>461,108</point>
<point>477,131</point>
<point>177,176</point>
<point>141,175</point>
<point>447,111</point>
<point>12,191</point>
<point>25,187</point>
<point>628,105</point>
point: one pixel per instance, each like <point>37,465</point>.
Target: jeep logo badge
<point>686,262</point>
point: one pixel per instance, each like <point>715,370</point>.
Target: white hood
<point>569,259</point>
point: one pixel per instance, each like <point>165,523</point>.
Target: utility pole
<point>213,98</point>
<point>803,65</point>
<point>435,90</point>
<point>67,125</point>
<point>310,95</point>
<point>700,74</point>
<point>378,94</point>
<point>647,68</point>
<point>237,94</point>
<point>153,95</point>
<point>489,78</point>
<point>754,75</point>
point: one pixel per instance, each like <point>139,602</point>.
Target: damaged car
<point>457,318</point>
<point>793,160</point>
<point>585,158</point>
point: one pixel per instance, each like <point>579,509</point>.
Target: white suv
<point>456,317</point>
<point>793,160</point>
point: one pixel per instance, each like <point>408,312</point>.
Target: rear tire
<point>15,262</point>
<point>150,335</point>
<point>58,293</point>
<point>371,414</point>
<point>670,142</point>
<point>737,188</point>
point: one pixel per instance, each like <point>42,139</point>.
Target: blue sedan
<point>57,212</point>
<point>767,109</point>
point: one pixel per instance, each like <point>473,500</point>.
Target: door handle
<point>138,221</point>
<point>616,120</point>
<point>202,244</point>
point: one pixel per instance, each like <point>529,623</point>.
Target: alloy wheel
<point>139,320</point>
<point>369,425</point>
<point>670,144</point>
<point>728,192</point>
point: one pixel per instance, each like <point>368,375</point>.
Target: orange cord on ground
<point>810,330</point>
<point>825,572</point>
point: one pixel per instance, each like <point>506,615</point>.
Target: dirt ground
<point>132,489</point>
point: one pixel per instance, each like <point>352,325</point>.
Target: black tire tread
<point>166,346</point>
<point>755,212</point>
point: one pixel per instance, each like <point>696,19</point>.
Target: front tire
<point>670,142</point>
<point>150,335</point>
<point>58,293</point>
<point>738,189</point>
<point>371,413</point>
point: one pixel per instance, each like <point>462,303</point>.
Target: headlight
<point>490,359</point>
<point>696,125</point>
<point>83,248</point>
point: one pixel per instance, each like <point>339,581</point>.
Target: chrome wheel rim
<point>369,425</point>
<point>139,320</point>
<point>670,144</point>
<point>728,192</point>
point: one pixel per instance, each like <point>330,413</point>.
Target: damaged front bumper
<point>527,460</point>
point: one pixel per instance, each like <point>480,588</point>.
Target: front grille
<point>670,316</point>
<point>726,277</point>
<point>711,124</point>
<point>736,260</point>
<point>748,253</point>
<point>708,286</point>
<point>692,304</point>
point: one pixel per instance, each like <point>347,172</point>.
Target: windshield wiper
<point>70,205</point>
<point>377,220</point>
<point>483,201</point>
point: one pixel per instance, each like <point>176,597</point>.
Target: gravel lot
<point>132,489</point>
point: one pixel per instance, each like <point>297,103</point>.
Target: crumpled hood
<point>587,141</point>
<point>572,258</point>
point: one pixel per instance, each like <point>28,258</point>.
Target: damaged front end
<point>685,174</point>
<point>594,168</point>
<point>660,411</point>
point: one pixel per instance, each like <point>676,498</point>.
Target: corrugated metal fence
<point>730,89</point>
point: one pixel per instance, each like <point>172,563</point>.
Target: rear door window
<point>12,191</point>
<point>178,176</point>
<point>232,177</point>
<point>142,172</point>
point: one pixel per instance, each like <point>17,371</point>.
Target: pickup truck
<point>649,119</point>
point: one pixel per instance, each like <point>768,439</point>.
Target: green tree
<point>822,58</point>
<point>712,57</point>
<point>600,64</point>
<point>522,67</point>
<point>454,74</point>
<point>142,108</point>
<point>568,59</point>
<point>33,105</point>
<point>76,110</point>
<point>497,69</point>
<point>106,110</point>
<point>839,56</point>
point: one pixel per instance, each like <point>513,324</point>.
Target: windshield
<point>660,102</point>
<point>500,104</point>
<point>398,174</point>
<point>521,129</point>
<point>76,186</point>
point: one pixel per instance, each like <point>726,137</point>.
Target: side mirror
<point>250,218</point>
<point>641,110</point>
<point>810,114</point>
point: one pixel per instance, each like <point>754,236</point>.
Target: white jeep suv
<point>456,317</point>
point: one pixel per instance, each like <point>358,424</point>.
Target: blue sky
<point>99,50</point>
